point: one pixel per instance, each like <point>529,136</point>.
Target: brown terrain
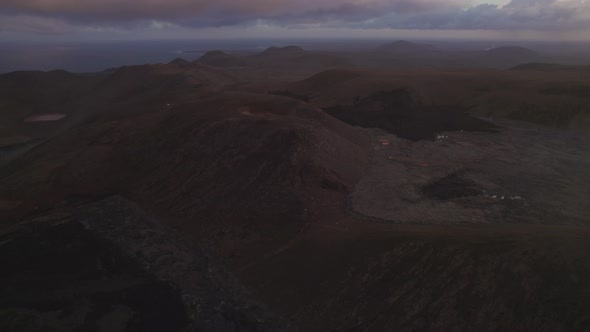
<point>298,191</point>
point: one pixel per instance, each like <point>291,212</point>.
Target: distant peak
<point>179,61</point>
<point>286,50</point>
<point>218,58</point>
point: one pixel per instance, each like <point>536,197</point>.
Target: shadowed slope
<point>553,98</point>
<point>400,113</point>
<point>235,165</point>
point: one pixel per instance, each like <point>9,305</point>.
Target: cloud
<point>366,14</point>
<point>540,15</point>
<point>109,10</point>
<point>34,24</point>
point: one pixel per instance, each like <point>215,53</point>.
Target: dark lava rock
<point>401,113</point>
<point>106,266</point>
<point>57,276</point>
<point>451,186</point>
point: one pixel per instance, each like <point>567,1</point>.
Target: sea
<point>93,56</point>
<point>101,55</point>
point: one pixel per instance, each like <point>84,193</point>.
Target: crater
<point>450,187</point>
<point>402,114</point>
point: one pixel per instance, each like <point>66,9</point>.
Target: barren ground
<point>522,174</point>
<point>250,199</point>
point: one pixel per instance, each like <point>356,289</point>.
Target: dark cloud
<point>34,25</point>
<point>398,14</point>
<point>343,13</point>
<point>111,10</point>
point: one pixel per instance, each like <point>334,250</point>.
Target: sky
<point>47,20</point>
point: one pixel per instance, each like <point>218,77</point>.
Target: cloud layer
<point>543,15</point>
<point>57,15</point>
<point>109,10</point>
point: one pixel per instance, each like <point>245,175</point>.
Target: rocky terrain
<point>272,192</point>
<point>474,177</point>
<point>103,264</point>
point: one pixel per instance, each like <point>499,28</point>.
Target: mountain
<point>297,57</point>
<point>282,196</point>
<point>221,59</point>
<point>282,51</point>
<point>179,61</point>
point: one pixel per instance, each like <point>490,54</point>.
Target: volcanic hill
<point>286,197</point>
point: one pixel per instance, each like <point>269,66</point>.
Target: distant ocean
<point>95,56</point>
<point>99,55</point>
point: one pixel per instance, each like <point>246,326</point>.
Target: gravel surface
<point>523,174</point>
